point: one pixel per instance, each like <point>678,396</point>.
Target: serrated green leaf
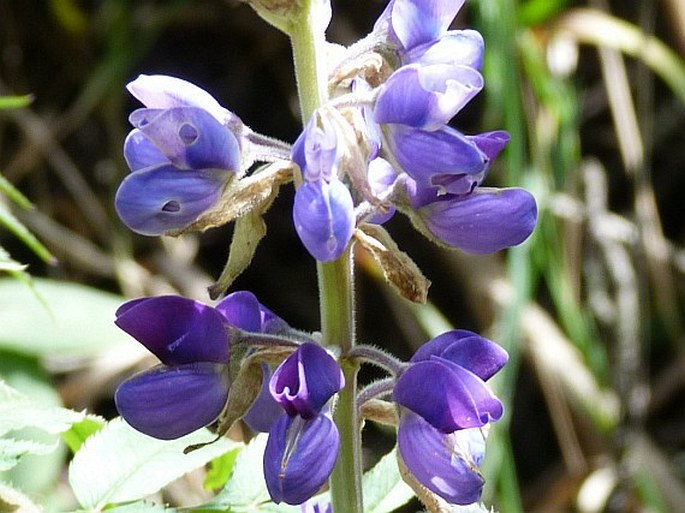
<point>119,464</point>
<point>20,231</point>
<point>58,319</point>
<point>15,102</point>
<point>35,474</point>
<point>12,450</point>
<point>79,432</point>
<point>384,489</point>
<point>17,412</point>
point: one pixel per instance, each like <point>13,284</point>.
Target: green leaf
<point>119,464</point>
<point>17,412</point>
<point>384,489</point>
<point>29,394</point>
<point>220,470</point>
<point>58,319</point>
<point>15,102</point>
<point>79,432</point>
<point>12,450</point>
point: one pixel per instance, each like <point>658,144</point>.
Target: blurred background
<point>590,308</point>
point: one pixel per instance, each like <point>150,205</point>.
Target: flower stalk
<point>336,290</point>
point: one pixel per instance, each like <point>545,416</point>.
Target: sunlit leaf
<point>384,489</point>
<point>57,319</point>
<point>78,433</point>
<point>18,411</point>
<point>13,449</point>
<point>119,464</point>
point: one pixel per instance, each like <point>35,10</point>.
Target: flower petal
<point>241,309</point>
<point>164,199</point>
<point>316,150</point>
<point>189,137</point>
<point>426,96</point>
<point>484,221</point>
<point>299,457</point>
<point>442,157</point>
<point>140,153</point>
<point>455,47</point>
<point>415,22</point>
<point>443,463</point>
<point>169,402</point>
<point>306,380</point>
<point>467,349</point>
<point>323,214</point>
<point>165,92</point>
<point>177,330</point>
<point>448,396</point>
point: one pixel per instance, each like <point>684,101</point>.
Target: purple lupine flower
<point>443,402</point>
<point>183,150</point>
<point>426,97</point>
<point>445,463</point>
<point>411,23</point>
<point>299,457</point>
<point>445,382</point>
<point>190,388</point>
<point>484,221</point>
<point>444,160</point>
<point>323,210</point>
<point>303,442</point>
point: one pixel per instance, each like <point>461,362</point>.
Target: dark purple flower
<point>242,310</point>
<point>303,442</point>
<point>190,389</point>
<point>306,380</point>
<point>192,341</point>
<point>445,383</point>
<point>182,152</point>
<point>445,463</point>
<point>323,211</point>
<point>300,455</point>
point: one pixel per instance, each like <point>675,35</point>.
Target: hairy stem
<point>336,291</point>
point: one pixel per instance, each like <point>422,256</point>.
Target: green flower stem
<point>335,278</point>
<point>337,326</point>
<point>308,44</point>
